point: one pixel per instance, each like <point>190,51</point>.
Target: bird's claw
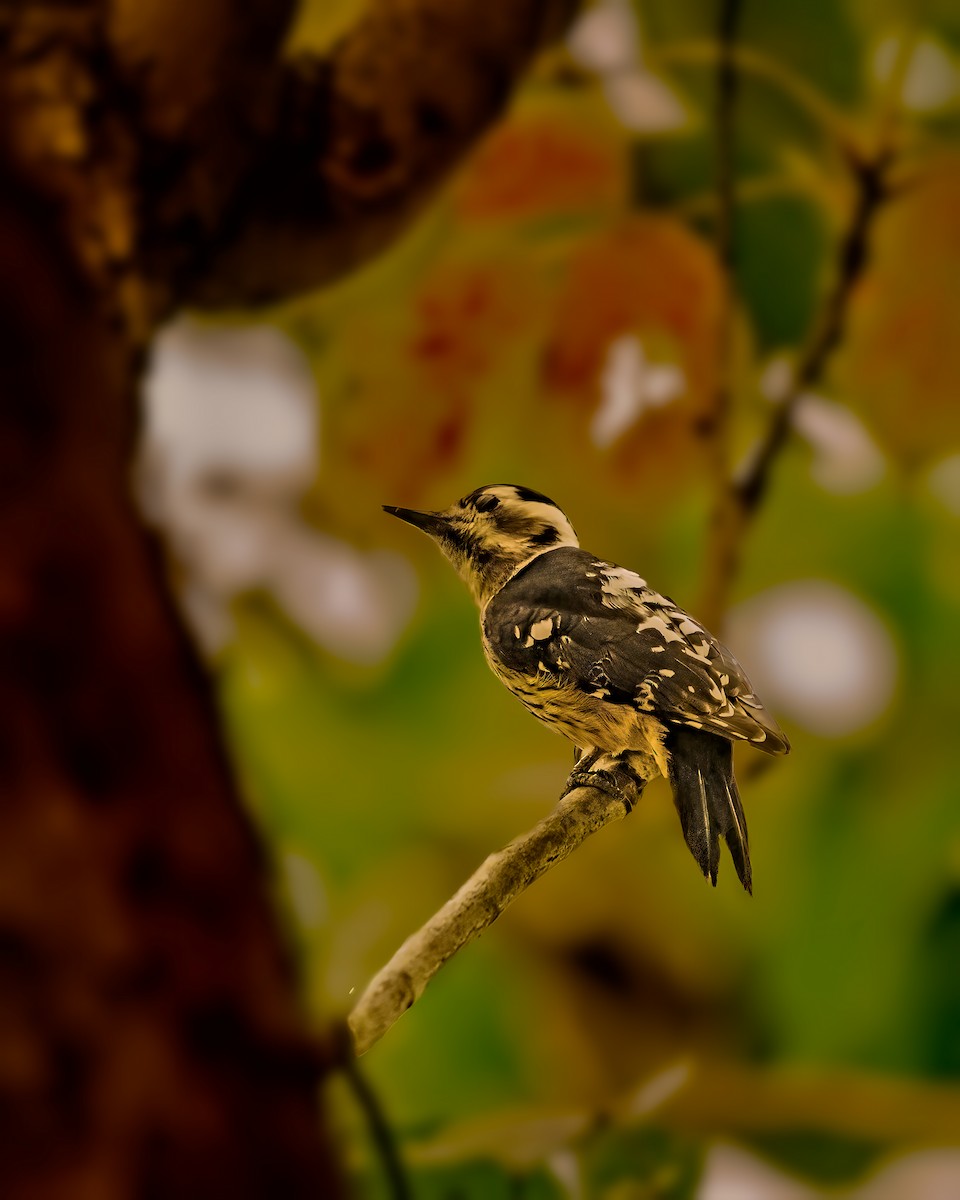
<point>605,781</point>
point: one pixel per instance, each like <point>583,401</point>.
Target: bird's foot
<point>605,781</point>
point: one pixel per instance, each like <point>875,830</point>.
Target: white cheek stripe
<point>536,510</point>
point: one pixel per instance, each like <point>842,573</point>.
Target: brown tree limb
<point>360,139</point>
<point>487,893</point>
<point>739,499</point>
<point>198,165</point>
<point>185,60</point>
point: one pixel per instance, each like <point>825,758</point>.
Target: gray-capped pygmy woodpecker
<point>611,664</point>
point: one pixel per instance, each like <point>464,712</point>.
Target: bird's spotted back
<point>571,619</point>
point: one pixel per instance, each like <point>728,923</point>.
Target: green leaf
<point>817,40</point>
<point>779,275</point>
<point>813,1154</point>
<point>939,989</point>
<point>468,1181</point>
<point>800,70</point>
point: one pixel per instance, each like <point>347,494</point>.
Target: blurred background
<point>561,318</point>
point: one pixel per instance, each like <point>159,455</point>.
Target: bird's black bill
<point>432,523</point>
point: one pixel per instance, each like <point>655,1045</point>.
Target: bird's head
<point>494,531</point>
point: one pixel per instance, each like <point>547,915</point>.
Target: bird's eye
<point>487,503</point>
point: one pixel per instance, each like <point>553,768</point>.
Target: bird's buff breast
<point>588,721</point>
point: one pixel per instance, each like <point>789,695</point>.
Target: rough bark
<point>198,165</point>
<point>150,1042</point>
<point>363,137</point>
<point>155,153</point>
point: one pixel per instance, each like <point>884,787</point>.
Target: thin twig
<point>495,885</point>
<point>380,1132</point>
<point>724,166</point>
<point>742,496</point>
<point>718,430</point>
<point>851,261</point>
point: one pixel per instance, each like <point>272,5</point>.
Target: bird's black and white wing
<point>600,628</point>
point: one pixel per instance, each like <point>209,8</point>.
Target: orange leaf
<point>648,277</point>
<point>554,155</point>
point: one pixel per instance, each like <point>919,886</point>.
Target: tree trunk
<point>152,155</point>
<point>150,1043</point>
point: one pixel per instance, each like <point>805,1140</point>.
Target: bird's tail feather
<point>707,799</point>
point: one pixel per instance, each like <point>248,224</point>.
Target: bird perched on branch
<point>615,666</point>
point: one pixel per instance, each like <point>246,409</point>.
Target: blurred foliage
<point>594,1160</point>
<point>821,1156</point>
<point>902,362</point>
<point>473,352</point>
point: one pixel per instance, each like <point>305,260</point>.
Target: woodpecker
<point>591,649</point>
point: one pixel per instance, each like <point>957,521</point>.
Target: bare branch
<point>852,259</point>
<point>724,165</point>
<point>741,497</point>
<point>717,430</point>
<point>495,885</point>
